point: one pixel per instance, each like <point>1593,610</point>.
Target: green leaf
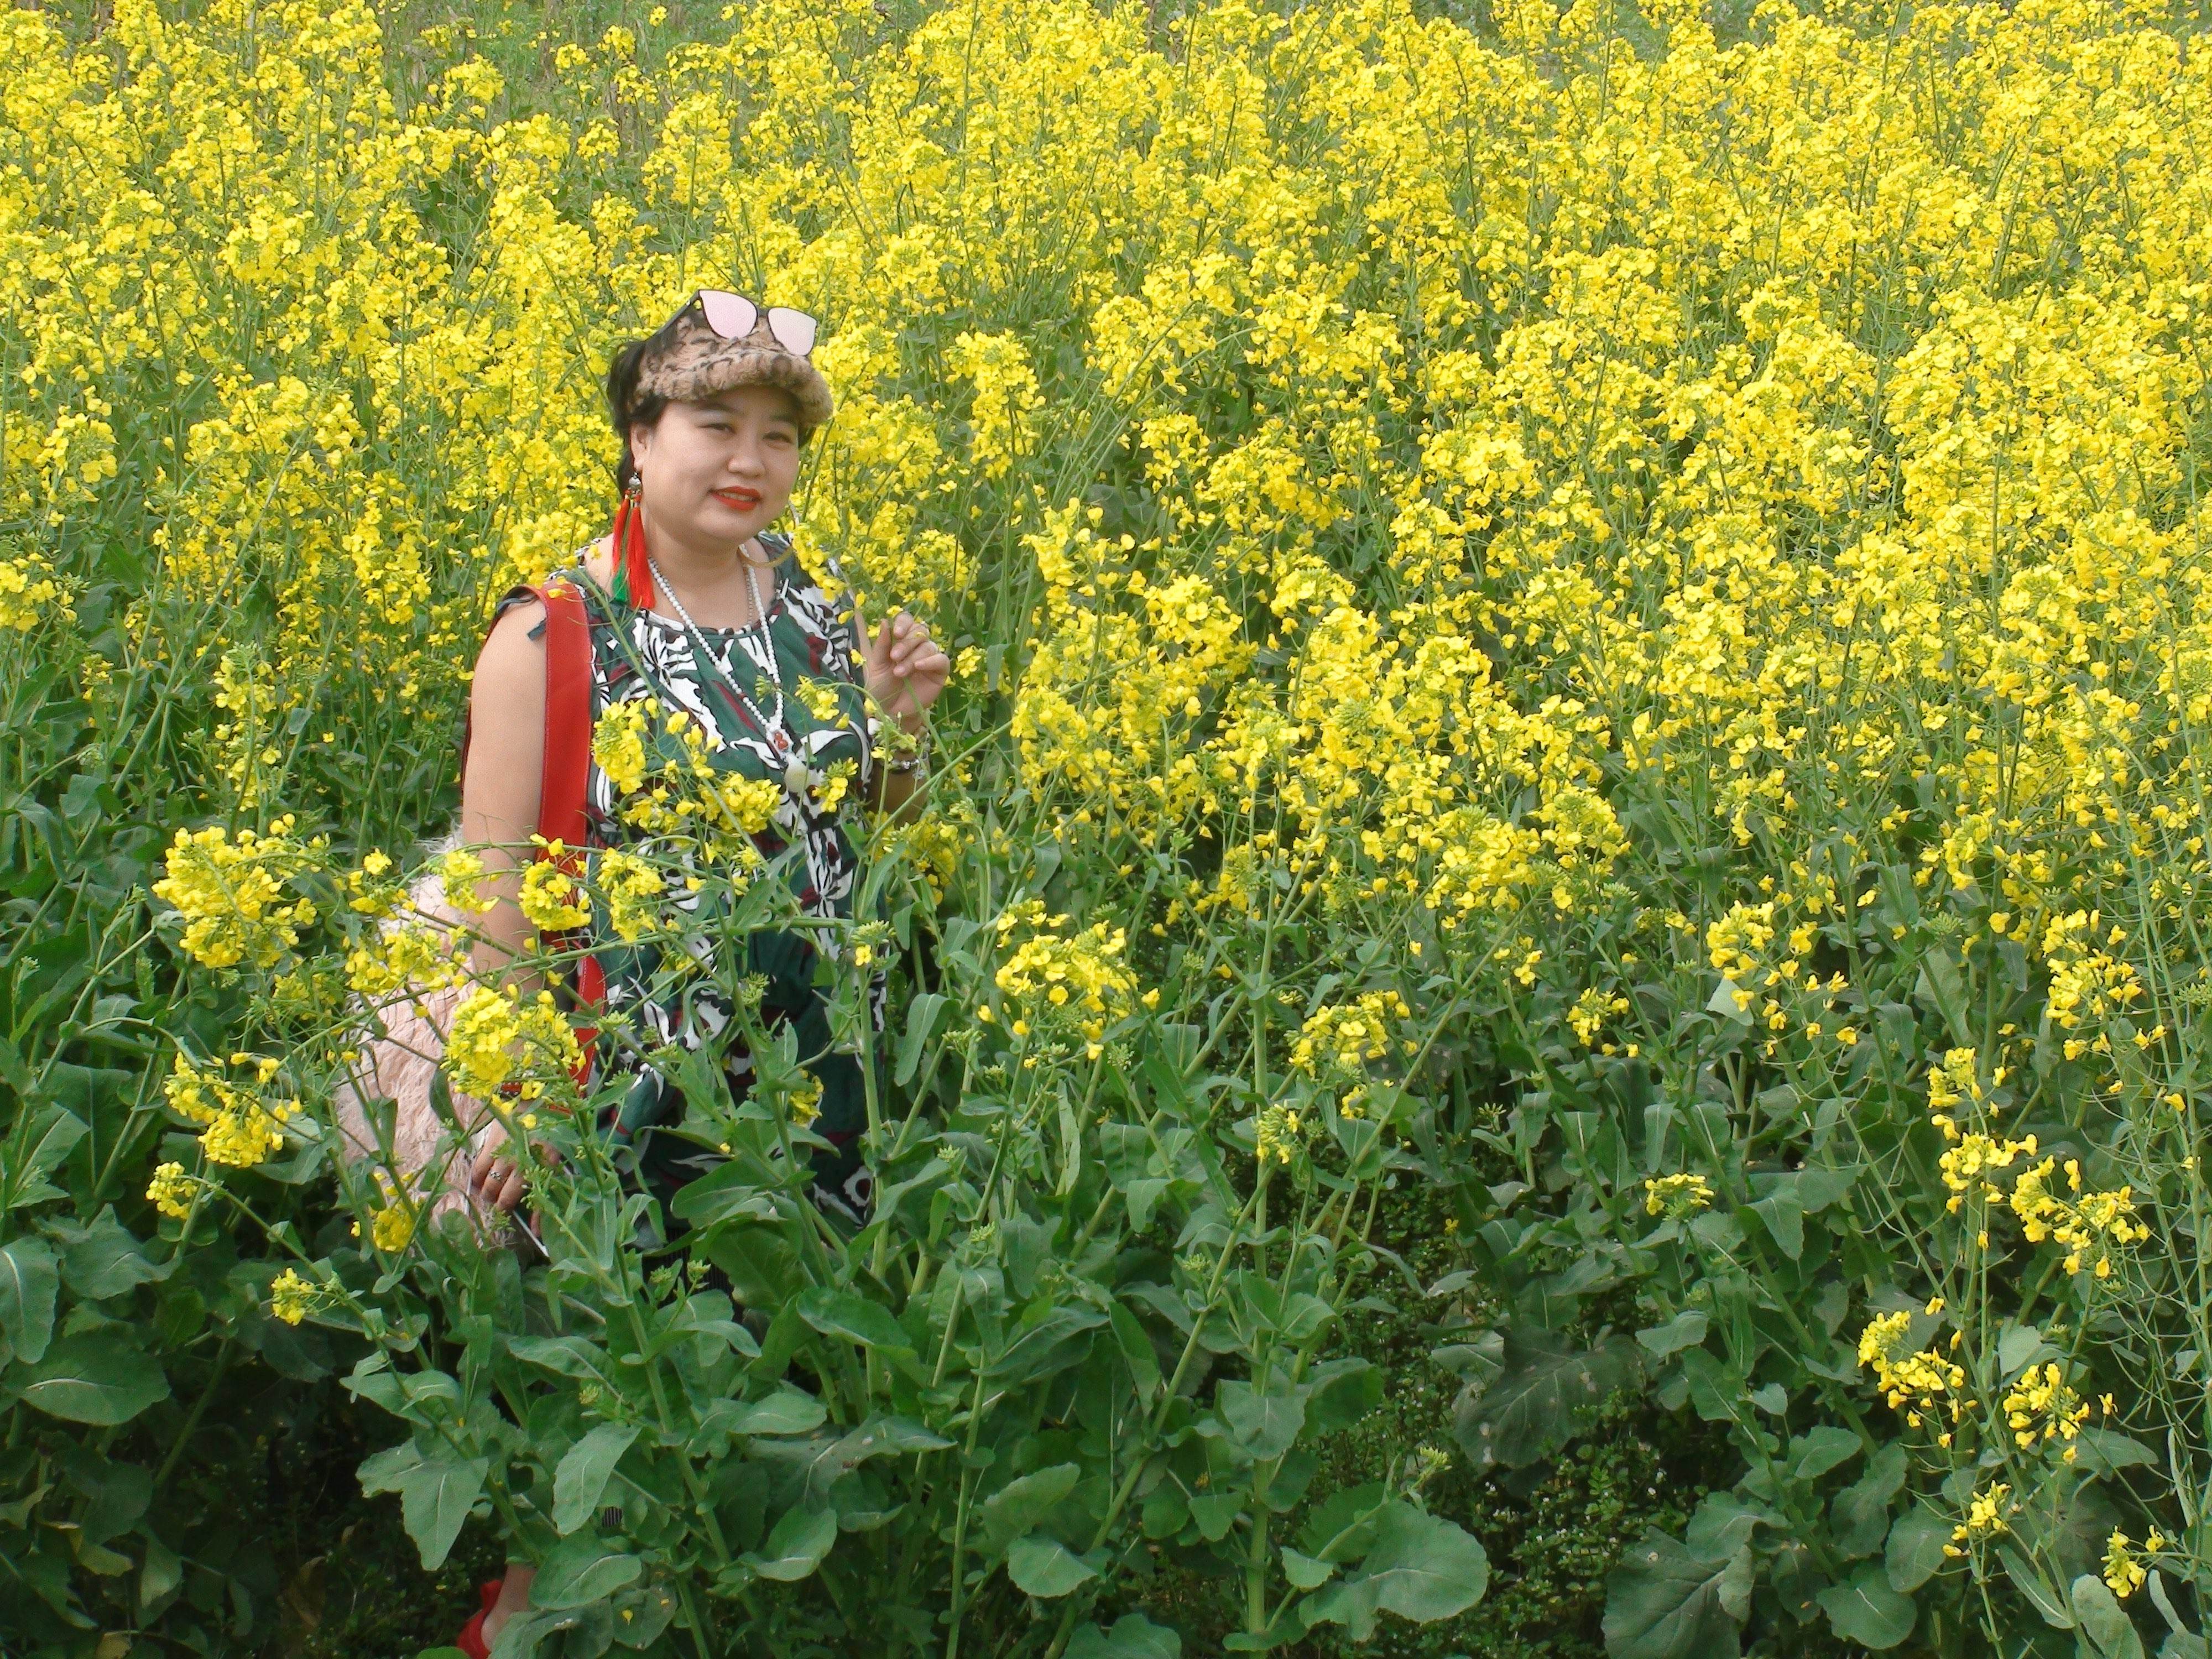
<point>583,1473</point>
<point>1784,1217</point>
<point>1530,1410</point>
<point>1044,1567</point>
<point>29,1281</point>
<point>1860,1513</point>
<point>1866,1611</point>
<point>2108,1628</point>
<point>1021,1505</point>
<point>1303,1572</point>
<point>1916,1549</point>
<point>582,1571</point>
<point>1341,1526</point>
<point>2030,1583</point>
<point>1264,1425</point>
<point>1136,1350</point>
<point>1340,1393</point>
<point>102,1259</point>
<point>787,1411</point>
<point>163,1572</point>
<point>856,1319</point>
<point>435,1500</point>
<point>1819,1450</point>
<point>55,1133</point>
<point>1134,1637</point>
<point>1663,1602</point>
<point>920,1025</point>
<point>1684,1330</point>
<point>101,1377</point>
<point>796,1545</point>
<point>1424,1567</point>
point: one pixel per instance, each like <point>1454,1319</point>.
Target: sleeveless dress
<point>636,655</point>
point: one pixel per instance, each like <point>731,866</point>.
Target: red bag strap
<point>568,715</point>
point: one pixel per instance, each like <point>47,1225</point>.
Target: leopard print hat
<point>699,363</point>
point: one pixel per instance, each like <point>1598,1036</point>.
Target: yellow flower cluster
<point>1677,1195</point>
<point>495,1038</point>
<point>689,797</point>
<point>1340,1039</point>
<point>1277,1133</point>
<point>1911,1383</point>
<point>292,1298</point>
<point>239,1126</point>
<point>1987,1514</point>
<point>552,899</point>
<point>28,591</point>
<point>1078,977</point>
<point>171,1191</point>
<point>2086,1225</point>
<point>2125,1571</point>
<point>2041,1407</point>
<point>232,892</point>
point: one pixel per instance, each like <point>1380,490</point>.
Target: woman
<point>702,607</point>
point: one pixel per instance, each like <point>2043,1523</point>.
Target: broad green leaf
<point>1136,1350</point>
<point>1530,1410</point>
<point>1684,1330</point>
<point>99,1377</point>
<point>102,1259</point>
<point>1813,1454</point>
<point>2109,1629</point>
<point>1424,1567</point>
<point>1044,1567</point>
<point>29,1281</point>
<point>582,1571</point>
<point>583,1473</point>
<point>1340,1393</point>
<point>1915,1551</point>
<point>54,1133</point>
<point>1724,1523</point>
<point>856,1319</point>
<point>1866,1611</point>
<point>1859,1516</point>
<point>435,1500</point>
<point>1264,1425</point>
<point>787,1411</point>
<point>1303,1572</point>
<point>1663,1602</point>
<point>163,1572</point>
<point>1134,1637</point>
<point>1341,1526</point>
<point>796,1544</point>
<point>1784,1218</point>
<point>1021,1505</point>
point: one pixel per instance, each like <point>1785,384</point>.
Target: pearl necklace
<point>773,725</point>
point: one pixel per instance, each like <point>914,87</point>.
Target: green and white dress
<point>636,654</point>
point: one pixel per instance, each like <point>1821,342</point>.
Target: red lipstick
<point>737,497</point>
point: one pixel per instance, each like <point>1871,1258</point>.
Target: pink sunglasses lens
<point>730,315</point>
<point>793,330</point>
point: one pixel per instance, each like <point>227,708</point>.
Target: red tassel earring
<point>632,583</point>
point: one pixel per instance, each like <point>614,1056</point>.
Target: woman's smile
<point>737,497</point>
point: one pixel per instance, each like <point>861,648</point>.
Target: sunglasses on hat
<point>733,316</point>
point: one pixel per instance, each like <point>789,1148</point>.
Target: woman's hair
<point>625,406</point>
<point>628,407</point>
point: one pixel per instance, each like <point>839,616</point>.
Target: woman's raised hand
<point>903,669</point>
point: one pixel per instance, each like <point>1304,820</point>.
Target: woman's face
<point>715,472</point>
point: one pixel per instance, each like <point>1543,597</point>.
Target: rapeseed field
<point>1590,619</point>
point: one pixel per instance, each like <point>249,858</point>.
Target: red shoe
<point>471,1641</point>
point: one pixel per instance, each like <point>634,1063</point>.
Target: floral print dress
<point>638,654</point>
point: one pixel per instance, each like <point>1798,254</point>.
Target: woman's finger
<point>511,1190</point>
